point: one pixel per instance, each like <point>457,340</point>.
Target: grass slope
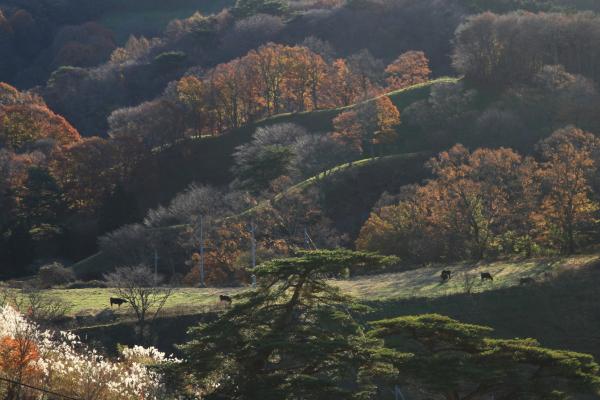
<point>561,311</point>
<point>354,166</point>
<point>357,172</point>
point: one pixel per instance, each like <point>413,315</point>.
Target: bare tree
<point>468,282</point>
<point>37,306</point>
<point>139,286</point>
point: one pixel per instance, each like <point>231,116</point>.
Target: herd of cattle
<point>446,275</point>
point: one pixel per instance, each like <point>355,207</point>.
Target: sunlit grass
<point>92,301</point>
<point>419,283</point>
<point>426,282</point>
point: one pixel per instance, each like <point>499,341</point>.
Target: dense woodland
<point>85,153</point>
<point>296,142</point>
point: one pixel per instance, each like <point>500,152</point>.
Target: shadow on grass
<point>561,312</point>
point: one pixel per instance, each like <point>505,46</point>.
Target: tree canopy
<point>293,337</point>
<point>462,361</point>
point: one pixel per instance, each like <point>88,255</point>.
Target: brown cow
<point>225,299</point>
<point>486,276</point>
<point>446,275</point>
<point>118,301</point>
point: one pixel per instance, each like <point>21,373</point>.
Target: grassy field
<point>419,283</point>
<point>84,302</point>
<point>426,282</point>
<point>561,310</point>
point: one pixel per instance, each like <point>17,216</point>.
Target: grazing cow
<point>118,301</point>
<point>225,299</point>
<point>526,281</point>
<point>446,275</point>
<point>486,276</point>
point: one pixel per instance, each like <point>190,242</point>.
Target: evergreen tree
<point>293,337</point>
<point>461,361</point>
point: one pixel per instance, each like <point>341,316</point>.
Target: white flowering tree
<point>35,361</point>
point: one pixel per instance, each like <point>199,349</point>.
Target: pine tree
<point>461,361</point>
<point>293,337</point>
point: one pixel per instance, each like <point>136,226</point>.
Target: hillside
<point>209,159</point>
<point>362,180</point>
<point>559,309</point>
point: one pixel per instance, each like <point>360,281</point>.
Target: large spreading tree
<point>294,337</point>
<point>461,361</point>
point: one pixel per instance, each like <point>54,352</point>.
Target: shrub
<point>55,274</point>
<point>94,284</point>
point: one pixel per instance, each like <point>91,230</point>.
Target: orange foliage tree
<point>87,171</point>
<point>370,123</point>
<point>18,358</point>
<point>409,69</point>
<point>224,242</point>
<point>343,86</point>
<point>479,204</point>
<point>269,80</point>
<point>568,204</point>
<point>24,124</point>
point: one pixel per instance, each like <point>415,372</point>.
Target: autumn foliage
<point>491,202</point>
<point>269,80</point>
<point>369,123</point>
<point>18,357</point>
<point>409,69</point>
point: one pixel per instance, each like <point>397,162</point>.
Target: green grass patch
<point>419,283</point>
<point>182,301</point>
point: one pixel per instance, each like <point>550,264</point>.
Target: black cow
<point>118,301</point>
<point>446,275</point>
<point>225,299</point>
<point>486,276</point>
<point>526,281</point>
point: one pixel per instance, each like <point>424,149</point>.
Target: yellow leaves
<point>191,91</point>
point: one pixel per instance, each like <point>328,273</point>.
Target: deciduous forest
<point>299,199</point>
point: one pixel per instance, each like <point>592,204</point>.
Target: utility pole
<point>253,233</point>
<point>253,243</point>
<point>202,284</point>
<point>308,241</point>
<point>398,393</point>
<point>155,267</point>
